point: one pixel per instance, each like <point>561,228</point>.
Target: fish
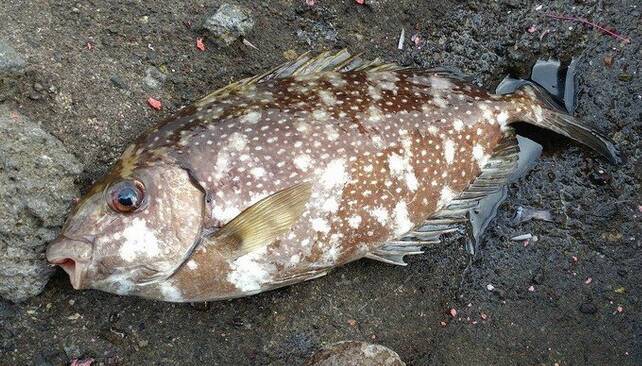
<point>281,177</point>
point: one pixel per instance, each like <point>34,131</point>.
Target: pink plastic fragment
<point>531,288</point>
<point>85,362</point>
<point>620,309</point>
<point>532,29</point>
<point>588,280</point>
<point>155,103</point>
<point>310,2</point>
<point>360,2</point>
<point>199,44</point>
<point>484,316</point>
<point>453,312</point>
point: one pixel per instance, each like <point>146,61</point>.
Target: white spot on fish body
<point>374,114</point>
<point>445,197</point>
<point>251,117</point>
<point>380,214</point>
<point>330,205</point>
<point>225,213</point>
<point>258,172</point>
<point>237,141</point>
<point>502,118</point>
<point>247,274</point>
<point>396,164</point>
<point>320,225</point>
<point>170,293</point>
<point>302,162</point>
<point>354,221</point>
<point>335,174</point>
<point>139,240</point>
<point>319,115</point>
<point>439,101</point>
<point>449,151</point>
<point>402,220</point>
<point>119,283</point>
<point>331,133</point>
<point>327,98</point>
<point>440,83</point>
<point>539,115</point>
<point>480,155</point>
<point>191,264</point>
<point>295,259</point>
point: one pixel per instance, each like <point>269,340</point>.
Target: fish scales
<point>381,150</point>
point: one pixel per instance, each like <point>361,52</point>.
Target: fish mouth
<point>73,257</point>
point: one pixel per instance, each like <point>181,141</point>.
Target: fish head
<point>130,230</point>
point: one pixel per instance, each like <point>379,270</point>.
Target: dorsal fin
<point>306,64</point>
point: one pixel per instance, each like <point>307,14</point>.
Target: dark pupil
<point>127,197</point>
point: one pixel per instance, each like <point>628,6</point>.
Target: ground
<point>571,298</point>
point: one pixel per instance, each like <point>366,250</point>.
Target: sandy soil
<point>93,100</point>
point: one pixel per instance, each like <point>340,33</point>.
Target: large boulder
<point>36,188</point>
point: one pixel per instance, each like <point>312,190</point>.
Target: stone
<point>588,308</point>
<point>10,61</point>
<point>228,23</point>
<point>36,189</point>
<point>353,353</point>
<point>154,79</point>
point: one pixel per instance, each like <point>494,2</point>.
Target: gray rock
<point>36,188</point>
<point>10,61</point>
<point>154,79</point>
<point>352,353</point>
<point>228,23</point>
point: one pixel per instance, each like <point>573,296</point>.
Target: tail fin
<point>554,119</point>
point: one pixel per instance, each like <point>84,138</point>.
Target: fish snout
<point>73,256</point>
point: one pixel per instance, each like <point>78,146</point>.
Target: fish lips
<point>73,256</point>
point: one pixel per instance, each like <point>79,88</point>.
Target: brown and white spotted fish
<point>279,178</point>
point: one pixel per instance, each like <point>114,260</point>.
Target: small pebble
<point>531,288</point>
<point>228,23</point>
<point>588,308</point>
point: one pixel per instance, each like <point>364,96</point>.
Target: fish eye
<point>126,196</point>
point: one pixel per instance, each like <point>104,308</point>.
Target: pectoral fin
<point>263,222</point>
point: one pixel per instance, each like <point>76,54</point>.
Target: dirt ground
<point>542,311</point>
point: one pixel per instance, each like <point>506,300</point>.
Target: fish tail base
<point>542,111</point>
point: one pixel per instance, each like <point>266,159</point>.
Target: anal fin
<point>471,210</point>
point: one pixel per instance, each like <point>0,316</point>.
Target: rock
<point>10,61</point>
<point>36,188</point>
<point>228,23</point>
<point>538,277</point>
<point>588,308</point>
<point>118,82</point>
<point>154,79</point>
<point>352,353</point>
